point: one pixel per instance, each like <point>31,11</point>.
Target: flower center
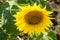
<point>33,17</point>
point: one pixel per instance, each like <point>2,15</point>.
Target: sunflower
<point>33,19</point>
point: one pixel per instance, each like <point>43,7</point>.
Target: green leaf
<point>52,35</point>
<point>39,36</point>
<point>34,37</point>
<point>0,8</point>
<point>48,7</point>
<point>14,7</point>
<point>10,26</point>
<point>5,5</point>
<point>42,2</point>
<point>30,38</point>
<point>22,1</point>
<point>2,20</point>
<point>25,2</point>
<point>3,36</point>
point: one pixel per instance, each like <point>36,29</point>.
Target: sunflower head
<point>33,19</point>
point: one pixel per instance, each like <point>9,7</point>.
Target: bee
<point>54,21</point>
<point>56,26</point>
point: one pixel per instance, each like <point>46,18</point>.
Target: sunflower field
<point>29,19</point>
